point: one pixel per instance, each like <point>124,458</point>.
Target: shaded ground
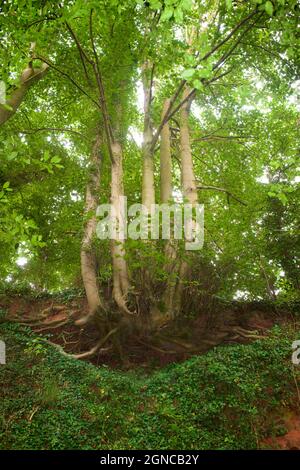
<point>233,397</point>
<point>220,324</point>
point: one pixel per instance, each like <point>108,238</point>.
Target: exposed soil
<point>290,422</point>
<point>234,323</point>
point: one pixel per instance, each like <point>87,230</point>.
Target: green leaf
<point>198,84</point>
<point>167,13</point>
<point>188,73</point>
<point>187,4</point>
<point>204,73</point>
<point>55,159</point>
<point>155,4</point>
<point>46,155</point>
<point>228,4</point>
<point>269,8</point>
<point>11,156</point>
<point>178,14</point>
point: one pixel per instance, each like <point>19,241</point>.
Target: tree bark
<point>28,77</point>
<point>161,316</point>
<point>189,189</point>
<point>87,253</point>
<point>148,190</point>
<point>120,271</point>
<point>188,180</point>
<point>165,159</point>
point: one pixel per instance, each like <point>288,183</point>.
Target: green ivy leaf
<point>269,8</point>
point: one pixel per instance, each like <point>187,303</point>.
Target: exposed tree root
<point>156,348</point>
<point>252,334</point>
<point>91,352</point>
<point>51,327</point>
<point>177,341</point>
<point>97,347</point>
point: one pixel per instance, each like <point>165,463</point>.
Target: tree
<point>212,74</point>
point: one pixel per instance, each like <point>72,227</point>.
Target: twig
<point>223,191</point>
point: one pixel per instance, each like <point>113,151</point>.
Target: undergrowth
<point>225,399</point>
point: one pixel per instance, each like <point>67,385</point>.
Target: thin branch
<point>272,53</point>
<point>82,53</point>
<point>229,36</point>
<point>169,113</point>
<point>221,137</point>
<point>190,96</point>
<point>214,188</point>
<point>235,45</point>
<point>217,77</point>
<point>96,67</point>
<point>166,116</point>
<point>64,74</point>
<point>49,129</point>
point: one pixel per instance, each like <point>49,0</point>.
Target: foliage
<point>226,399</point>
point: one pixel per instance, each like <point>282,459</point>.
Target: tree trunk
<point>87,253</point>
<point>188,180</point>
<point>162,315</point>
<point>165,160</point>
<point>189,189</point>
<point>148,191</point>
<point>120,271</point>
<point>27,79</point>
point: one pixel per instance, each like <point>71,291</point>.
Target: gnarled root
<point>91,352</point>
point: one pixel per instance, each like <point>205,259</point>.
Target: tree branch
<point>229,36</point>
<point>82,53</point>
<point>215,188</point>
<point>66,75</point>
<point>103,107</point>
<point>50,129</point>
<point>235,45</point>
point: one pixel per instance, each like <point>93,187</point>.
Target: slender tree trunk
<point>162,315</point>
<point>87,253</point>
<point>148,190</point>
<point>120,271</point>
<point>165,159</point>
<point>188,180</point>
<point>29,76</point>
<point>189,189</point>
